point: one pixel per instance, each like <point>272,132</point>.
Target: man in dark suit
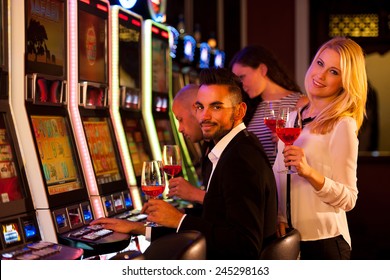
<point>240,206</point>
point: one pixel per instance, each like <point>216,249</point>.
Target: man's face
<point>188,124</point>
<point>215,111</point>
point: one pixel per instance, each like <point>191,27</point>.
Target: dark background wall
<point>272,24</point>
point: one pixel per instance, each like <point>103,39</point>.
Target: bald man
<point>184,111</point>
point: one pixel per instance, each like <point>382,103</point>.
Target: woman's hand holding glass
<point>288,128</point>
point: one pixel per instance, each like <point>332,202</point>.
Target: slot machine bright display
<point>126,93</point>
<point>202,56</point>
<point>21,232</point>
<point>156,86</point>
<point>20,236</point>
<point>184,60</point>
<point>217,59</point>
<point>90,109</point>
<point>53,168</point>
<point>177,77</point>
<point>183,73</point>
<point>157,94</point>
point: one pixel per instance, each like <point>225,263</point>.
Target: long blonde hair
<point>351,101</point>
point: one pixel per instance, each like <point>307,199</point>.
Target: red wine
<point>172,169</point>
<point>271,124</point>
<point>288,134</point>
<point>153,191</point>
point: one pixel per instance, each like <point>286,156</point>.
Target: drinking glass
<point>171,158</point>
<point>153,181</point>
<point>270,114</point>
<point>288,128</point>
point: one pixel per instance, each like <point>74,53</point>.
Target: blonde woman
<point>325,154</point>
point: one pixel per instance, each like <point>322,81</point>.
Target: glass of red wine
<point>270,114</point>
<point>171,158</point>
<point>153,181</point>
<point>288,128</point>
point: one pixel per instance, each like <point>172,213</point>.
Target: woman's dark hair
<point>254,55</point>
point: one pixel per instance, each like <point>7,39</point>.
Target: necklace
<point>305,111</point>
<point>307,120</point>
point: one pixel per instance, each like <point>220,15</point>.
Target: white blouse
<point>322,214</point>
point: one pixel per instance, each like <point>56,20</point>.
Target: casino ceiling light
<point>127,4</point>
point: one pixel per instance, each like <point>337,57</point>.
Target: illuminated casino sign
<point>157,10</point>
<point>127,4</point>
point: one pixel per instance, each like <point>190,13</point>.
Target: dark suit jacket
<point>240,206</point>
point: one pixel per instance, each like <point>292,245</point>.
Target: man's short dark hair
<point>224,77</point>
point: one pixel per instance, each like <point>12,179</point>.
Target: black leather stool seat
<point>186,245</point>
<point>286,247</point>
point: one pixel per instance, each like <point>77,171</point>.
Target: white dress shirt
<point>216,152</point>
<point>214,156</point>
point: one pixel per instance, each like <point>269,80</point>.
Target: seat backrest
<point>286,247</point>
<point>186,245</point>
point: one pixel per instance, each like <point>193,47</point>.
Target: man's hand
<point>119,225</point>
<point>162,213</point>
<point>181,188</point>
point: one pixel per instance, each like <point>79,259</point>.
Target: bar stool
<point>186,245</point>
<point>286,247</point>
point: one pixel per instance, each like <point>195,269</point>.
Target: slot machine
<point>20,233</point>
<point>157,96</point>
<point>177,77</point>
<point>183,72</point>
<point>126,92</point>
<point>20,236</point>
<point>53,168</point>
<point>89,107</point>
<point>184,60</point>
<point>217,58</point>
<point>202,56</point>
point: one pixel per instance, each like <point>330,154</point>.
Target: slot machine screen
<point>108,205</point>
<point>130,54</point>
<point>11,233</point>
<point>204,55</point>
<point>74,215</point>
<point>31,230</point>
<point>101,148</point>
<point>173,41</point>
<point>61,221</point>
<point>161,103</point>
<point>128,201</point>
<point>92,47</point>
<point>189,45</point>
<point>45,37</point>
<point>86,212</point>
<point>10,188</point>
<point>118,202</point>
<point>132,99</point>
<point>160,58</point>
<point>164,132</point>
<point>56,153</point>
<point>219,59</point>
<point>136,143</point>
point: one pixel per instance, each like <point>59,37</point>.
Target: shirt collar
<point>216,152</point>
